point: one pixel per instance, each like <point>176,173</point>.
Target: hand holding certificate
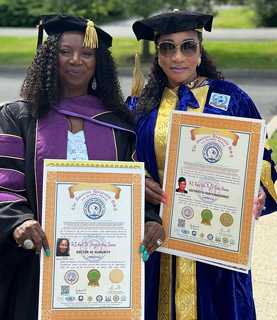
<point>212,176</point>
<point>93,217</point>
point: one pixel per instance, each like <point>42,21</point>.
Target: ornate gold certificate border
<point>54,177</point>
<point>253,129</point>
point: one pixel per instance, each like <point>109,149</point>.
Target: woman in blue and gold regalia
<point>184,78</point>
<point>73,109</point>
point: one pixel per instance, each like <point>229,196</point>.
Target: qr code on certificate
<point>64,290</point>
<point>181,223</point>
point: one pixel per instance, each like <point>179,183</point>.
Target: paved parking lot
<point>264,269</point>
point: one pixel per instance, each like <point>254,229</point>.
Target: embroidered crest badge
<point>219,101</point>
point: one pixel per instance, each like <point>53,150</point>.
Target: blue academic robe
<point>221,293</point>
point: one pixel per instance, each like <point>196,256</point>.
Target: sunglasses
<point>168,49</point>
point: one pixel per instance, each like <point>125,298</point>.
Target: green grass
<point>227,55</point>
<point>241,17</point>
<point>250,55</point>
<point>16,50</point>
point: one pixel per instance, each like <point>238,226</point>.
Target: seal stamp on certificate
<point>94,208</point>
<point>206,216</point>
<point>187,212</point>
<point>93,276</point>
<point>71,277</point>
<point>116,276</point>
<point>212,152</point>
<point>226,219</point>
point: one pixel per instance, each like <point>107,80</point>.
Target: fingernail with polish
<point>47,253</point>
<point>141,248</point>
<point>145,256</point>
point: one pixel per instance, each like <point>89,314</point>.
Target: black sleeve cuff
<point>152,213</point>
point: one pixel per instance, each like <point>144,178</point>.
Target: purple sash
<point>51,135</point>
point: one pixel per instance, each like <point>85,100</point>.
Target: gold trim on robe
<point>186,294</point>
<point>267,145</point>
<point>267,181</point>
<point>165,287</point>
<point>168,103</point>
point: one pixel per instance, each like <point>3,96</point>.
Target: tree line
<point>26,13</point>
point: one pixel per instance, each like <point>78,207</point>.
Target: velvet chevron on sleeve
<point>14,207</point>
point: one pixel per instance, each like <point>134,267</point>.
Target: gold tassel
<point>138,78</point>
<point>91,39</point>
<point>267,181</point>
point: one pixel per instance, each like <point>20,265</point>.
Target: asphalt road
<point>262,90</point>
<point>124,29</point>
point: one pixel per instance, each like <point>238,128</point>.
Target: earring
<point>199,62</point>
<point>94,84</point>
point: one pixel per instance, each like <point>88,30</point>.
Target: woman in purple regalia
<point>184,78</point>
<point>72,108</point>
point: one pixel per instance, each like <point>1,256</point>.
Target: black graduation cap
<point>55,24</point>
<point>171,22</point>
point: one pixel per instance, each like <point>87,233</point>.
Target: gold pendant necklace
<point>198,82</point>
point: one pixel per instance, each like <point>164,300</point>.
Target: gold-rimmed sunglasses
<point>187,47</point>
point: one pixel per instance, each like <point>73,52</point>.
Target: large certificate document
<point>93,216</point>
<point>212,175</point>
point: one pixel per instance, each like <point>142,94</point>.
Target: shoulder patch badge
<point>219,101</point>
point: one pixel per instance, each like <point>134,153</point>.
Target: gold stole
<point>266,177</point>
<point>185,294</point>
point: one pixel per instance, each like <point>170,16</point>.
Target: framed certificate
<point>93,216</point>
<point>212,175</point>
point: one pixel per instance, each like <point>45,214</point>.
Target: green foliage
<point>17,13</point>
<point>143,10</point>
<point>26,13</point>
<point>204,6</point>
<point>231,2</point>
<point>266,12</point>
<point>134,7</point>
<point>98,10</point>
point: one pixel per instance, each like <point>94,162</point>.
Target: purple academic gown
<point>25,143</point>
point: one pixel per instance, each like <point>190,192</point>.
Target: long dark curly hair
<point>157,81</point>
<point>41,86</point>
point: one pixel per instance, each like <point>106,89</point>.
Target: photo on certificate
<point>93,216</point>
<point>212,175</point>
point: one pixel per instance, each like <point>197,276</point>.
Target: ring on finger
<point>159,242</point>
<point>28,244</point>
